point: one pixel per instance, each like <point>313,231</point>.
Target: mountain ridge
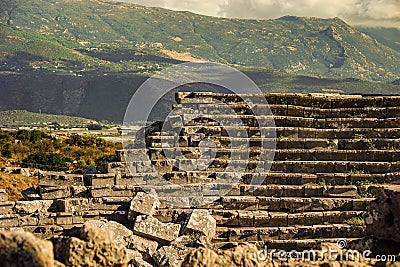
<point>299,45</point>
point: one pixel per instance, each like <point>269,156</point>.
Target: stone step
<point>287,245</point>
<point>352,167</point>
<point>281,132</point>
<point>287,166</point>
<point>327,101</point>
<point>254,234</point>
<point>346,191</point>
<point>277,154</point>
<point>288,121</point>
<point>294,204</point>
<point>285,110</point>
<point>235,218</point>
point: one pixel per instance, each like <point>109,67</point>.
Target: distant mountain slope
<point>387,36</point>
<point>25,118</point>
<point>323,47</point>
<point>22,49</point>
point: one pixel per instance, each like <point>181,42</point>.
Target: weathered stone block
<point>54,192</point>
<point>56,179</point>
<point>99,179</point>
<point>142,244</point>
<point>79,191</point>
<point>35,206</point>
<point>143,203</point>
<point>201,221</point>
<point>8,220</point>
<point>150,227</point>
<point>28,220</point>
<point>64,218</point>
<point>73,205</point>
<point>240,203</point>
<point>6,207</point>
<point>269,203</point>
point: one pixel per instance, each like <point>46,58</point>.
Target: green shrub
<point>47,161</point>
<point>6,150</point>
<point>357,221</point>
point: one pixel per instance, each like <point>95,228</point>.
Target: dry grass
<point>15,183</point>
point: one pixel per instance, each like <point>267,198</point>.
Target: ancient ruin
<point>334,154</point>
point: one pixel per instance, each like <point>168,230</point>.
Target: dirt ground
<point>15,183</point>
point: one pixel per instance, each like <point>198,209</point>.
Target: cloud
<point>355,12</point>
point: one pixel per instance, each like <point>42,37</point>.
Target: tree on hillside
<point>7,10</point>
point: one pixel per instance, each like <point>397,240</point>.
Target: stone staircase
<point>332,153</point>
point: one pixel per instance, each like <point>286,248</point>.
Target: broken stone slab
<point>152,228</point>
<point>58,179</point>
<point>94,247</point>
<point>144,204</point>
<point>175,253</point>
<point>202,222</point>
<point>142,244</point>
<point>3,195</point>
<point>19,248</point>
<point>35,206</point>
<point>124,236</point>
<point>54,192</point>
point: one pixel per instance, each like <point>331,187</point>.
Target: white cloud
<point>355,12</point>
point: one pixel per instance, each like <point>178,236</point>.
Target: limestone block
<point>73,204</point>
<point>94,247</point>
<point>57,179</point>
<point>99,179</point>
<point>201,221</point>
<point>54,192</point>
<point>29,207</point>
<point>143,203</point>
<point>150,227</point>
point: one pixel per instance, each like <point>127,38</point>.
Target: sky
<point>355,12</point>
